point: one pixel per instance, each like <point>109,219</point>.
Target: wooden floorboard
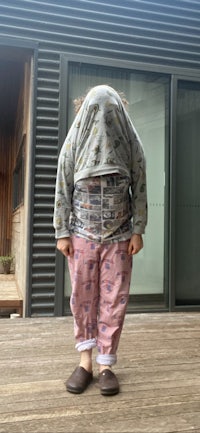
<point>10,297</point>
<point>158,369</point>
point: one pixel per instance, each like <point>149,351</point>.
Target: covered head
<point>102,135</point>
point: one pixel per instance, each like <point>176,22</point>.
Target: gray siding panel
<point>46,151</point>
<point>148,32</point>
<point>137,30</point>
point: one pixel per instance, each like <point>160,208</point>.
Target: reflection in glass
<point>148,96</point>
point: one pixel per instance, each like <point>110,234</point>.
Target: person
<point>99,218</point>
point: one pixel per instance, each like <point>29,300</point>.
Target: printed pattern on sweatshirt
<point>102,209</point>
<point>101,141</point>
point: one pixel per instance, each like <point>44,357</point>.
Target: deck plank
<point>158,369</point>
<point>10,296</point>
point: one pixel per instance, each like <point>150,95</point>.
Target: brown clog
<point>108,382</point>
<point>79,380</point>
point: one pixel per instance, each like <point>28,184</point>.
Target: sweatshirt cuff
<point>138,231</point>
<point>59,234</point>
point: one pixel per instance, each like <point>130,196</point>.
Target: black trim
<point>60,260</point>
<point>172,179</point>
<point>31,170</point>
<point>59,284</point>
<point>121,64</point>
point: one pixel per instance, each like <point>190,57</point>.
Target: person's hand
<point>64,245</point>
<point>135,244</point>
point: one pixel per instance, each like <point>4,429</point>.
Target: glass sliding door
<point>187,206</point>
<point>148,96</point>
<point>149,111</point>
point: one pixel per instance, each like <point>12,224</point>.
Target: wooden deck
<point>10,297</point>
<point>158,369</point>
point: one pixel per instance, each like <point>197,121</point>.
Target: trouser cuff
<point>106,359</point>
<point>86,345</point>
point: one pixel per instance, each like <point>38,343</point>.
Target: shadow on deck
<point>158,369</point>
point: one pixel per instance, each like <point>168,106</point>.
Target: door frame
<point>175,75</point>
<point>172,212</point>
<point>21,49</point>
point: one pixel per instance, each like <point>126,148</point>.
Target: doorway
<point>187,195</point>
<point>11,76</point>
<point>15,100</point>
<point>148,97</point>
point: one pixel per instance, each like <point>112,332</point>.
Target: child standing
<point>99,218</point>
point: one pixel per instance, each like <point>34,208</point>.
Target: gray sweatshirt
<point>101,141</point>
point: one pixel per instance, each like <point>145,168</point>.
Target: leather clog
<point>79,380</point>
<point>108,382</point>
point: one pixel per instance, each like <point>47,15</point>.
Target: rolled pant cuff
<point>86,345</point>
<point>106,359</point>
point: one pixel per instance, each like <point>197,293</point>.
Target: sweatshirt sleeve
<point>138,186</point>
<point>63,192</point>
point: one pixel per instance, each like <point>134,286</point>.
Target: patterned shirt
<point>101,209</point>
<point>102,141</point>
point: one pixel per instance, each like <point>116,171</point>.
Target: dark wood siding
<point>144,32</point>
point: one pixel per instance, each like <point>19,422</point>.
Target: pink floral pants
<point>100,277</point>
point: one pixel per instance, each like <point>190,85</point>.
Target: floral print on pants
<point>100,278</point>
